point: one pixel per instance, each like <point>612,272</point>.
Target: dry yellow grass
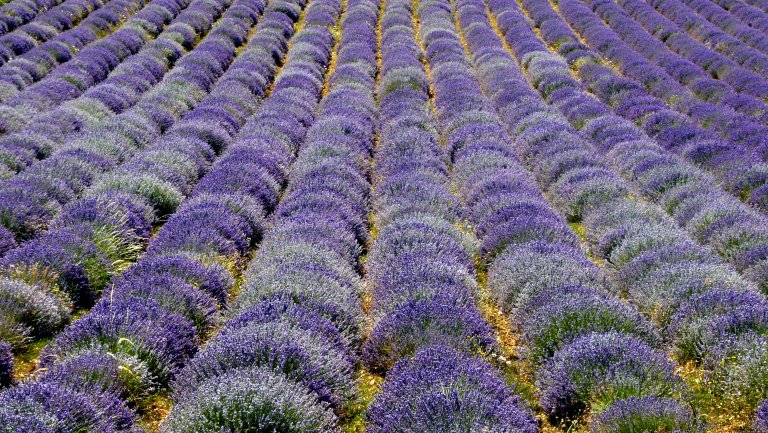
<point>369,385</point>
<point>723,415</point>
<point>153,411</point>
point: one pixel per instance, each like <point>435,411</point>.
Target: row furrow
<point>160,83</point>
<point>147,326</point>
<point>428,333</point>
<point>668,277</point>
<point>15,13</point>
<point>95,237</point>
<point>46,26</point>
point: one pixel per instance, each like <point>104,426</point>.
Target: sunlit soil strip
<point>336,32</point>
<point>577,227</point>
<point>155,409</point>
<point>516,371</point>
<point>715,409</point>
<point>369,384</point>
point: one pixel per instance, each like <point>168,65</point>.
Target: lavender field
<point>383,216</point>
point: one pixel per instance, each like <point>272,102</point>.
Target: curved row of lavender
<point>711,62</point>
<point>138,336</point>
<point>46,26</point>
<point>749,56</point>
<point>105,79</point>
<point>96,237</point>
<point>646,95</point>
<point>709,215</point>
<point>752,12</point>
<point>30,201</point>
<point>146,127</point>
<point>677,283</point>
<point>285,359</point>
<point>744,47</point>
<point>732,331</point>
<point>35,64</point>
<point>428,333</point>
<point>687,73</point>
<point>731,62</point>
<point>80,147</point>
<point>591,353</point>
<point>744,30</point>
<point>31,66</point>
<point>63,68</point>
<point>15,13</point>
<point>734,161</point>
<point>732,229</point>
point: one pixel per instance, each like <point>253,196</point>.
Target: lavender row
<point>740,130</point>
<point>674,39</point>
<point>286,357</point>
<point>699,29</point>
<point>96,237</point>
<point>665,274</point>
<point>579,163</point>
<point>420,265</point>
<point>85,55</point>
<point>567,314</point>
<point>740,77</point>
<point>157,311</point>
<point>45,26</point>
<point>105,79</point>
<point>30,200</point>
<point>31,66</point>
<point>15,13</point>
<point>712,217</point>
<point>736,167</point>
<point>730,24</point>
<point>428,330</point>
<point>703,85</point>
<point>752,12</point>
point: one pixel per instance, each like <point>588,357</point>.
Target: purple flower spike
<point>443,390</point>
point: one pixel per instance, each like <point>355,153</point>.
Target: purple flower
<point>760,425</point>
<point>7,241</point>
<point>150,338</point>
<point>295,349</point>
<point>63,407</point>
<point>30,311</point>
<point>549,326</point>
<point>212,279</point>
<point>598,369</point>
<point>417,324</point>
<point>65,260</point>
<point>523,272</point>
<point>647,413</point>
<point>440,389</point>
<point>255,398</point>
